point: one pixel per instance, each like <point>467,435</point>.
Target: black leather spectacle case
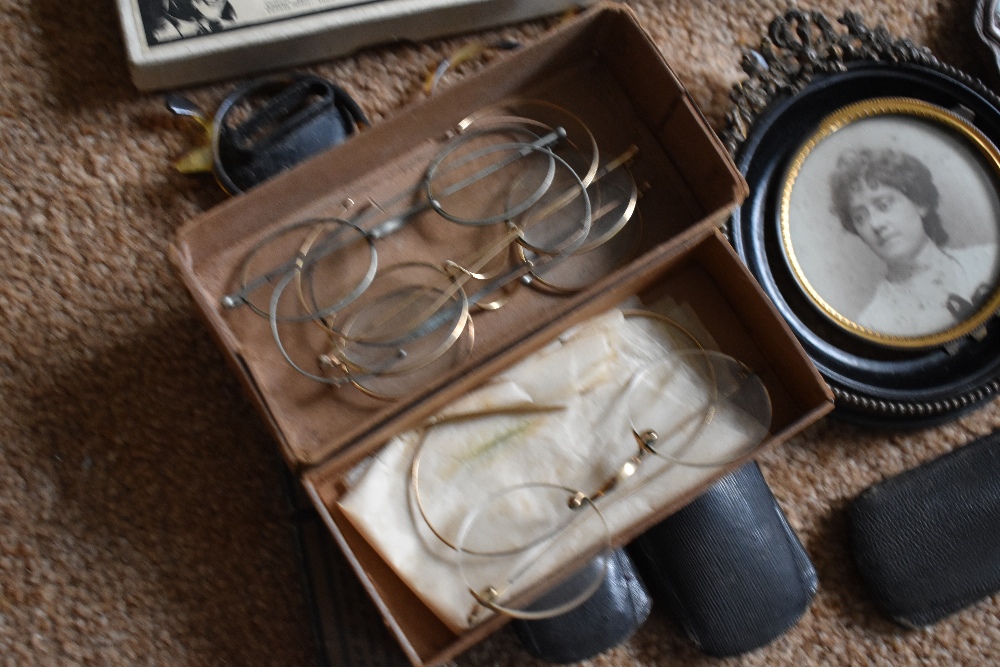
<point>926,542</point>
<point>289,119</point>
<point>728,568</point>
<point>269,124</point>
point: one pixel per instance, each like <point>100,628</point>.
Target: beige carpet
<point>142,520</point>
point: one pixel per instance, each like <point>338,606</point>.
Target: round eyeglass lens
<point>533,551</point>
<point>333,261</point>
<point>408,318</point>
<point>699,408</point>
<point>470,180</point>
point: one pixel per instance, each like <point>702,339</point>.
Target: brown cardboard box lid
<point>603,68</point>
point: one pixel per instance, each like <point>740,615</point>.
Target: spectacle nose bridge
<point>627,469</point>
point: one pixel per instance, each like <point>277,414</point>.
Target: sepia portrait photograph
<point>889,220</point>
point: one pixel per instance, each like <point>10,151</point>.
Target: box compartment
<point>603,69</point>
<point>727,301</point>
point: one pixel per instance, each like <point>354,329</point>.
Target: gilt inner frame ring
<point>922,290</point>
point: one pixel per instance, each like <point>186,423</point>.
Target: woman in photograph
<point>174,19</point>
<point>888,198</point>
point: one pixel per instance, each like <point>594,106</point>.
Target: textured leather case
<point>927,541</point>
<point>728,567</point>
<point>605,620</point>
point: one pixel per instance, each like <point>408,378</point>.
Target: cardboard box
<point>260,35</point>
<point>605,69</point>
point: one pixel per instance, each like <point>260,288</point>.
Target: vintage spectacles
<point>450,173</point>
<point>399,321</point>
<point>532,549</point>
<point>520,180</point>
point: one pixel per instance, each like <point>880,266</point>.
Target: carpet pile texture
<point>142,516</point>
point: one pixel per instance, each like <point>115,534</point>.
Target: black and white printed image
<point>169,20</point>
<point>893,225</point>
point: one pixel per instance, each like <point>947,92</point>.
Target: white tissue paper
<point>580,444</point>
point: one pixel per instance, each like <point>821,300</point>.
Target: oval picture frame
<point>805,71</point>
<point>886,169</point>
